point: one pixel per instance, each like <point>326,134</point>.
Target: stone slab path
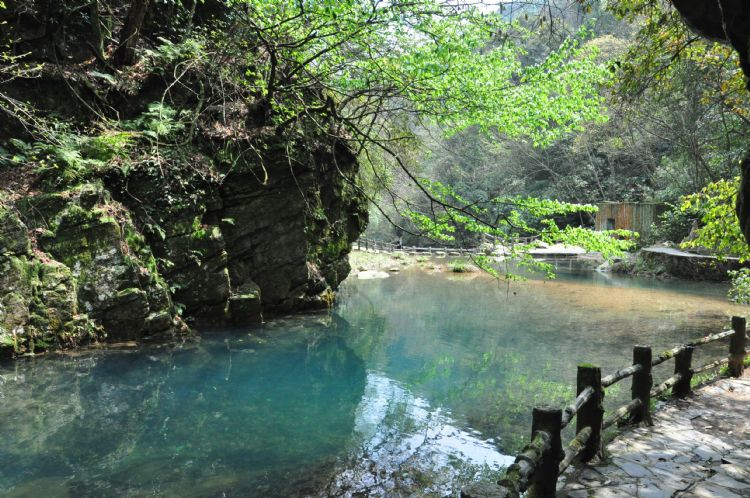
<point>697,447</point>
<point>684,254</point>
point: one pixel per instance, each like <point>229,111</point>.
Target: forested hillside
<point>675,119</point>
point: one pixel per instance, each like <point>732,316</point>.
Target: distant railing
<point>537,467</point>
<point>368,244</point>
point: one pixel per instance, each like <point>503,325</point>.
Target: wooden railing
<point>537,467</point>
<point>367,244</point>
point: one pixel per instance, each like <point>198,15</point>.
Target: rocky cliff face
<point>122,255</point>
<point>119,221</point>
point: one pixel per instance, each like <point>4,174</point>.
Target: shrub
<point>462,268</point>
<point>673,225</point>
<point>739,292</point>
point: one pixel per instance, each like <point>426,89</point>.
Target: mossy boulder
<point>39,307</point>
<point>123,255</point>
<point>245,304</point>
<point>117,279</point>
<point>87,273</point>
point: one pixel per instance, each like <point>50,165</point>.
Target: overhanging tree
<point>363,72</point>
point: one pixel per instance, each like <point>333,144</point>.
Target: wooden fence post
<point>642,384</point>
<point>544,479</point>
<point>737,346</point>
<point>591,413</point>
<point>367,245</point>
<point>682,360</point>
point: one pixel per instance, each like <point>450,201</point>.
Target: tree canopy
<point>558,99</point>
<point>434,60</point>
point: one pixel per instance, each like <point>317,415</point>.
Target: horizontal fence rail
<point>367,244</point>
<point>537,467</point>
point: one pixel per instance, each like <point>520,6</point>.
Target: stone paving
<point>697,447</point>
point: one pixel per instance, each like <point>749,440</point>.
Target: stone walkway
<point>698,447</point>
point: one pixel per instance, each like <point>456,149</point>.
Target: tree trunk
<point>125,53</point>
<point>97,37</point>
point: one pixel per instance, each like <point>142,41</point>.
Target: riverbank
<point>378,264</point>
<point>666,262</point>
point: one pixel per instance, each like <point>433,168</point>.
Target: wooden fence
<point>367,244</point>
<point>537,467</point>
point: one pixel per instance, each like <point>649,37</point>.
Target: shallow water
<point>414,384</point>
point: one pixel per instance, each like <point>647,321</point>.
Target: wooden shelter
<point>635,216</point>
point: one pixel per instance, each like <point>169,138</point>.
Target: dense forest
<point>674,118</point>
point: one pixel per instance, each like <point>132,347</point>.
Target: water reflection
<point>413,385</point>
<point>409,447</point>
<point>489,352</point>
<point>243,414</point>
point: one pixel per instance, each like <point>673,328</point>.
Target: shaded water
<point>414,384</point>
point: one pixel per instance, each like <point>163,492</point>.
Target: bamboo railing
<point>537,467</point>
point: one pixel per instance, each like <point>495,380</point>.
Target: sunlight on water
<point>416,383</point>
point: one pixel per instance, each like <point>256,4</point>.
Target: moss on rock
<point>39,308</point>
<point>117,251</point>
<point>14,237</point>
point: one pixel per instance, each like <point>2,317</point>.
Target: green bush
<point>673,225</point>
<point>459,267</point>
<point>739,292</point>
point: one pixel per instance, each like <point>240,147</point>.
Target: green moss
<point>319,214</point>
<point>182,224</point>
<point>96,251</point>
<point>137,245</point>
<point>13,234</point>
<point>130,293</point>
<point>460,267</point>
<point>40,313</point>
<point>333,248</point>
<point>6,339</point>
<point>142,259</point>
<point>200,234</point>
<point>41,344</point>
<point>76,216</point>
<point>205,233</point>
<point>588,365</point>
<point>80,234</point>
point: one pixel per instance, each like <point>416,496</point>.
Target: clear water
<point>413,385</point>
